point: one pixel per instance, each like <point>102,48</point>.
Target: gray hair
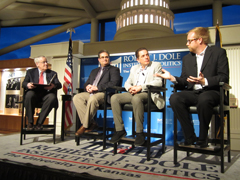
<point>37,59</point>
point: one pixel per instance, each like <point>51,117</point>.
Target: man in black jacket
<point>202,70</point>
<point>35,94</point>
<point>87,102</point>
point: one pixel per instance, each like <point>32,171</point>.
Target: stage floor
<point>128,164</point>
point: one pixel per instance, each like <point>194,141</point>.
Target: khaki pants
<point>87,106</point>
<point>137,100</point>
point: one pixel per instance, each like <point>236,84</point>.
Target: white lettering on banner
<point>130,58</point>
<point>129,65</point>
<point>155,57</point>
<point>119,164</point>
<point>166,57</point>
<point>171,63</point>
<point>169,56</point>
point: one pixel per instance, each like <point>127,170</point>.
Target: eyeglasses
<point>102,57</point>
<point>190,40</point>
<point>44,62</point>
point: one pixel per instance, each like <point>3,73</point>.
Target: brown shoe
<point>80,131</point>
<point>38,127</point>
<point>30,127</point>
<point>92,127</point>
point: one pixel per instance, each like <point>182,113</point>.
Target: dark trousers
<point>203,100</point>
<point>32,98</point>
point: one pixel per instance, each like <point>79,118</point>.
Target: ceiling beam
<point>183,4</point>
<point>231,2</point>
<point>88,8</point>
<point>187,4</point>
<point>5,3</point>
<point>53,20</point>
<point>38,21</point>
<point>48,10</point>
<point>107,14</point>
<point>44,35</point>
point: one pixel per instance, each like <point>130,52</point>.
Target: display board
<point>13,96</point>
<point>171,60</point>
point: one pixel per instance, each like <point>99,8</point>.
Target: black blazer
<point>110,77</point>
<point>32,75</point>
<point>214,67</point>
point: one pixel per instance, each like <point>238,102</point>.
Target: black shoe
<point>190,141</point>
<point>117,136</point>
<point>202,143</point>
<point>30,127</point>
<point>140,139</point>
<point>39,127</point>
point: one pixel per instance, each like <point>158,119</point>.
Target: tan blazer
<point>153,68</point>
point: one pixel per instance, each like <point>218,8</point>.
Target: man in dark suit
<point>87,102</point>
<point>202,70</point>
<point>35,94</point>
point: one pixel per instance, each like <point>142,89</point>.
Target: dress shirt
<point>142,74</point>
<point>199,59</point>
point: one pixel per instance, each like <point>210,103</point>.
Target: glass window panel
<point>146,18</point>
<point>140,18</point>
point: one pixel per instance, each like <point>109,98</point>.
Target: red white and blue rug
<point>129,164</point>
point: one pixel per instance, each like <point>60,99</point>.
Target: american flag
<point>68,75</point>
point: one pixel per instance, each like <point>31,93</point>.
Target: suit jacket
<point>32,75</point>
<point>214,68</point>
<point>153,68</point>
<point>110,77</point>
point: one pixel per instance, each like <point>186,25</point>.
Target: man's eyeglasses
<point>44,62</point>
<point>102,57</point>
<point>190,40</point>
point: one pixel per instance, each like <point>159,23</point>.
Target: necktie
<point>41,78</point>
<point>95,82</point>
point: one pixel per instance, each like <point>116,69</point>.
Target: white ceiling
<point>37,12</point>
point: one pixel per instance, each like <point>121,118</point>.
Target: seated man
<point>36,94</point>
<point>140,76</point>
<point>87,102</point>
<point>202,70</point>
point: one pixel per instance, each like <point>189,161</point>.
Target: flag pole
<point>70,30</point>
<point>218,43</point>
<point>68,83</point>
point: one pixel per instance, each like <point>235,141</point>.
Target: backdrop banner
<point>171,60</point>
